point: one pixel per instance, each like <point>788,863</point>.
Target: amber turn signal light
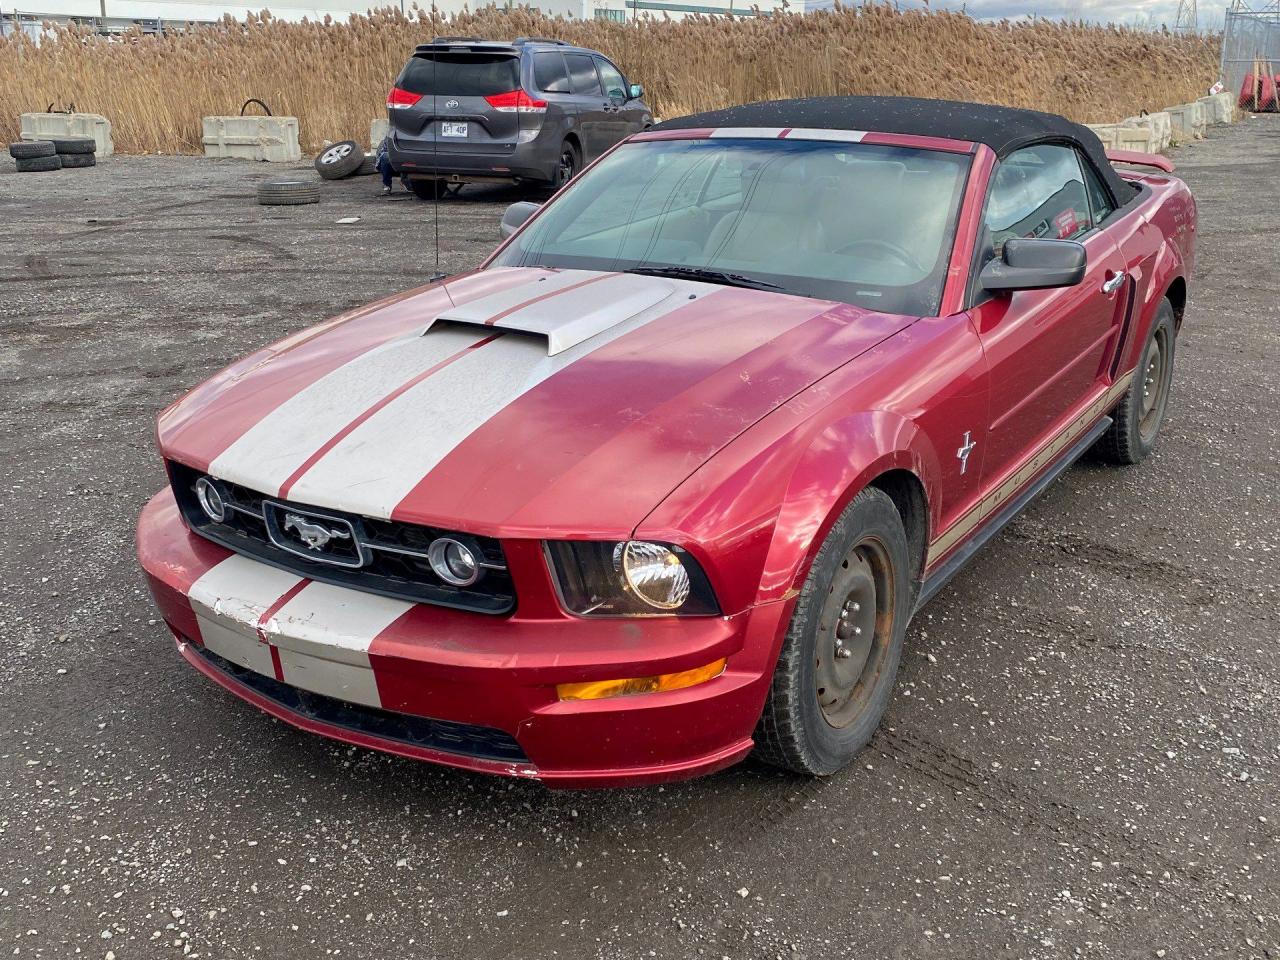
<point>602,689</point>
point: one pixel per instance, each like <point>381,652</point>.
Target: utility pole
<point>1185,22</point>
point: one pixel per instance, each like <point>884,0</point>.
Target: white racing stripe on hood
<point>270,451</point>
<point>374,468</point>
<point>478,311</point>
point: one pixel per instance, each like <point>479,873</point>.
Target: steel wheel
<point>855,632</point>
<point>1155,385</point>
<point>834,677</point>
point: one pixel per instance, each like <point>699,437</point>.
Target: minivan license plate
<point>452,129</point>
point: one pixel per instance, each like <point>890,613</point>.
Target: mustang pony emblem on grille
<point>315,536</point>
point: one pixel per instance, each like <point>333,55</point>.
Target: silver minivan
<point>535,111</point>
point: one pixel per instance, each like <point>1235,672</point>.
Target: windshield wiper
<point>709,276</point>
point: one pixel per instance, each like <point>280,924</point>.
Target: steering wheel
<point>887,246</point>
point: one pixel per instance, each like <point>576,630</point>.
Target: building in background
<point>154,16</point>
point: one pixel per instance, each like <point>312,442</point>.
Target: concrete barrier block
<point>1188,122</point>
<point>1159,124</point>
<point>42,126</point>
<point>1107,133</point>
<point>1218,108</point>
<point>1142,139</point>
<point>273,139</point>
<point>378,130</point>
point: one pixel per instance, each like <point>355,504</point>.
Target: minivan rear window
<point>461,74</point>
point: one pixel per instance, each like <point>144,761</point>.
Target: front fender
<point>756,513</point>
<point>841,461</point>
<point>755,519</point>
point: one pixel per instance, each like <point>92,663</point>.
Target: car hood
<point>515,401</point>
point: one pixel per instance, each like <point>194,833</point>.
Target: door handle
<point>1111,286</point>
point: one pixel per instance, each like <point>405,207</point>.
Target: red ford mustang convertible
<point>665,479</point>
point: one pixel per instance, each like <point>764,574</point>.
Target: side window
<point>582,75</point>
<point>1099,199</point>
<point>549,73</point>
<point>1036,192</point>
<point>615,87</point>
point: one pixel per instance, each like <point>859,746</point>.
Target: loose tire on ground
<point>74,145</point>
<point>31,149</point>
<point>285,193</point>
<point>369,167</point>
<point>1137,419</point>
<point>39,164</point>
<point>836,672</point>
<point>339,160</point>
<point>78,160</point>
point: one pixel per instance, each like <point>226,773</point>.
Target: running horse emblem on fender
<point>315,536</point>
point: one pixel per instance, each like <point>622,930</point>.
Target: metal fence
<point>1251,38</point>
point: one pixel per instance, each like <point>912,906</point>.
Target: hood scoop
<point>568,307</point>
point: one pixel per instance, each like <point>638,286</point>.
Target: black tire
<point>339,160</point>
<point>1137,418</point>
<point>846,633</point>
<point>39,164</point>
<point>32,149</point>
<point>78,160</point>
<point>568,165</point>
<point>74,145</point>
<point>368,167</point>
<point>285,193</point>
<point>427,189</point>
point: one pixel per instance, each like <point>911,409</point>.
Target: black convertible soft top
<point>1003,129</point>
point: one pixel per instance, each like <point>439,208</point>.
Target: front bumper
<point>452,687</point>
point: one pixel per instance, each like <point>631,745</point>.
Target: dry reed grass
<point>334,77</point>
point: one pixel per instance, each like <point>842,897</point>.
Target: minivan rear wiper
<point>709,276</point>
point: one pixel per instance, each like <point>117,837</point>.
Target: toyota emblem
<point>451,104</point>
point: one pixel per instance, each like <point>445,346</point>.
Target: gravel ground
<point>1081,758</point>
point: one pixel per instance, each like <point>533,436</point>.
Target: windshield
<point>865,224</point>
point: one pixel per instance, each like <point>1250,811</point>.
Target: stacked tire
<point>40,156</point>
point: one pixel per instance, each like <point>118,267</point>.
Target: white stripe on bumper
<point>323,635</point>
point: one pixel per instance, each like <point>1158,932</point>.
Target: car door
<point>1047,350</point>
<point>621,109</point>
<point>590,103</point>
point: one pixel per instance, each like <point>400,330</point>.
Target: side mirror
<point>635,91</point>
<point>515,216</point>
<point>1035,265</point>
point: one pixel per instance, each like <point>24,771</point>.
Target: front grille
<point>377,556</point>
<point>465,739</point>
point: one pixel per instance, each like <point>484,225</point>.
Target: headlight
<point>634,578</point>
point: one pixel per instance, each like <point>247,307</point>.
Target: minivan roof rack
<point>458,40</point>
<point>519,40</point>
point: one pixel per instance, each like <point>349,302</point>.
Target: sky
<point>1145,13</point>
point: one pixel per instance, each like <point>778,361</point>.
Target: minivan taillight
<point>516,101</point>
<point>399,99</point>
